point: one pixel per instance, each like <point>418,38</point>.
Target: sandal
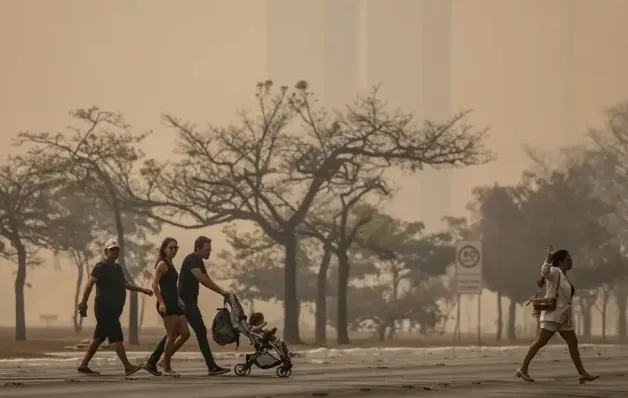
<point>170,373</point>
<point>152,369</point>
<point>133,370</point>
<point>520,374</point>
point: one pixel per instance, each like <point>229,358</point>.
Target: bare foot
<point>587,377</point>
<point>520,374</point>
<point>84,370</point>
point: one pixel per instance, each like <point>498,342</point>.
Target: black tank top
<point>168,285</point>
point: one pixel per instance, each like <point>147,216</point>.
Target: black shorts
<point>108,325</point>
<point>172,308</point>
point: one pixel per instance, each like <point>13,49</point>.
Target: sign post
<point>469,273</point>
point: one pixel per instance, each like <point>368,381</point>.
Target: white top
<point>563,302</point>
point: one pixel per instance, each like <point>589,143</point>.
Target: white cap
<point>111,243</point>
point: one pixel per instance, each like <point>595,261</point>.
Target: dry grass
<point>43,340</point>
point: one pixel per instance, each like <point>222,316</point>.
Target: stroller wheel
<point>241,370</point>
<point>284,371</point>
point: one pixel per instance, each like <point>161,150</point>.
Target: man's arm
<point>87,291</point>
<point>207,281</point>
<point>133,287</point>
<point>93,278</point>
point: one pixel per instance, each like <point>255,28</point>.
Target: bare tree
<point>100,155</point>
<point>82,224</point>
<point>28,216</point>
<point>269,168</point>
<point>337,229</point>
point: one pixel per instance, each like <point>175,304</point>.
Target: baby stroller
<point>267,355</point>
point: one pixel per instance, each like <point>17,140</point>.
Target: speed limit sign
<point>468,256</point>
<point>469,267</point>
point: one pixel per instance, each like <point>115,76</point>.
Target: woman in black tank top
<point>169,306</point>
<point>168,289</point>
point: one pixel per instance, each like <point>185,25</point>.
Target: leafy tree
<point>29,215</point>
<point>371,308</point>
<point>556,205</point>
<point>76,244</point>
<point>588,235</point>
<point>610,177</point>
<point>100,156</point>
<point>89,223</point>
<point>459,228</point>
<point>405,281</point>
<point>496,209</point>
<point>257,270</point>
<point>270,168</point>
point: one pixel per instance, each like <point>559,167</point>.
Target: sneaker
<point>170,373</point>
<point>520,374</point>
<point>152,369</point>
<point>87,371</point>
<point>133,370</point>
<point>218,371</point>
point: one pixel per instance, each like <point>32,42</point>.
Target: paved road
<point>405,373</point>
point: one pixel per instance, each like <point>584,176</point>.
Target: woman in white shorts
<point>554,278</point>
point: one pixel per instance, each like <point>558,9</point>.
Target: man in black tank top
<point>193,273</point>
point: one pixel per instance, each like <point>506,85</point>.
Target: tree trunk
<point>605,297</point>
<point>381,333</point>
<point>586,309</point>
<point>291,298</point>
<point>77,320</point>
<point>142,306</point>
<point>342,321</point>
<point>621,297</point>
<point>321,297</point>
<point>134,337</point>
<point>500,322</point>
<point>512,319</point>
<point>20,284</point>
<point>391,330</point>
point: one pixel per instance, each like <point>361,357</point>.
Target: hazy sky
<point>536,71</point>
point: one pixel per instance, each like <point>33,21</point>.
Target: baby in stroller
<point>269,352</point>
<point>257,323</point>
